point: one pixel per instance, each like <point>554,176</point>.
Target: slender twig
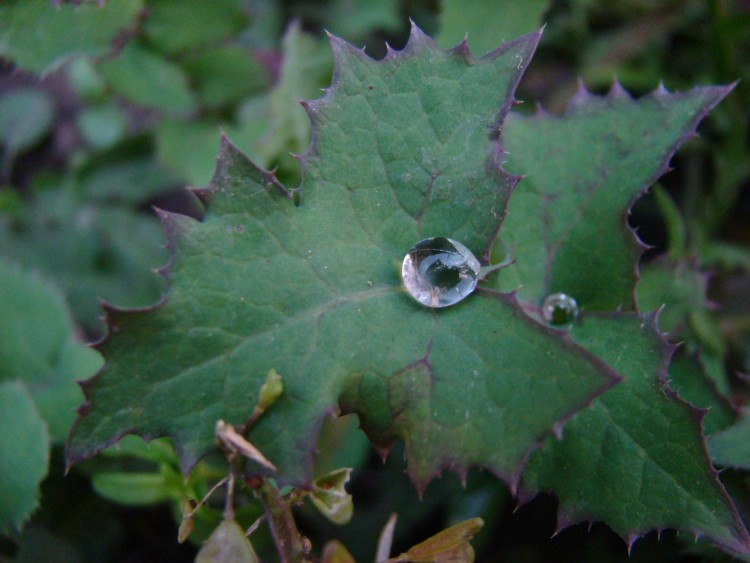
<point>208,495</point>
<point>254,526</point>
<point>289,542</point>
<point>229,501</point>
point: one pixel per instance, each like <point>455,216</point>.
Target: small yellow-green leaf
<point>188,521</point>
<point>330,497</point>
<point>452,544</point>
<point>270,390</point>
<point>335,552</point>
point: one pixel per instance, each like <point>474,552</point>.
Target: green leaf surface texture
<point>39,36</point>
<point>566,224</point>
<point>403,149</point>
<point>24,455</point>
<point>38,347</point>
<point>635,459</point>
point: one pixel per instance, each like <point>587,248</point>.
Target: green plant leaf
<point>313,290</point>
<point>356,18</point>
<point>188,148</point>
<point>38,347</point>
<point>194,24</point>
<point>144,77</point>
<point>39,36</point>
<point>731,448</point>
<point>223,75</point>
<point>227,544</point>
<point>130,180</point>
<point>92,251</point>
<point>636,459</point>
<point>102,126</point>
<point>306,68</point>
<point>689,379</point>
<point>26,116</point>
<point>566,224</point>
<point>335,552</point>
<point>489,22</point>
<point>24,455</point>
<point>677,286</point>
<point>138,489</point>
<point>451,544</point>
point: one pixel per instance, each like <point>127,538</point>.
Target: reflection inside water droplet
<point>559,309</point>
<point>439,271</point>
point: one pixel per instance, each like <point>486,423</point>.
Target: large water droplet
<point>439,271</point>
<point>559,309</point>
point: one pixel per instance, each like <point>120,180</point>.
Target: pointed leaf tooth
<point>617,92</point>
<point>418,41</point>
<point>581,97</point>
<point>630,541</point>
<point>344,53</point>
<point>463,50</point>
<point>540,112</point>
<point>661,92</point>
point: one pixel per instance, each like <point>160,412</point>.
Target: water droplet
<point>439,272</point>
<point>559,309</point>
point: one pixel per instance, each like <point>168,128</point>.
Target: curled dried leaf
<point>236,443</point>
<point>330,497</point>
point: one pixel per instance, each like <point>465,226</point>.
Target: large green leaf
<point>37,35</point>
<point>38,347</point>
<point>24,454</point>
<point>566,224</point>
<point>404,149</point>
<point>636,458</point>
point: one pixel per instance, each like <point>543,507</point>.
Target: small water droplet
<point>559,309</point>
<point>439,272</point>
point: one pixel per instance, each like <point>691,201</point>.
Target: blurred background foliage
<point>108,109</point>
